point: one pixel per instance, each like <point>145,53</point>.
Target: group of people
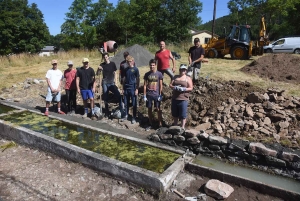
<point>82,81</point>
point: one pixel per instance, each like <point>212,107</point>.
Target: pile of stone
<point>265,117</point>
<point>140,54</point>
<point>273,158</point>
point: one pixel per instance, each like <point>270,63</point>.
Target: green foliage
<point>22,27</point>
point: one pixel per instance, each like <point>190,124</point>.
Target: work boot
<point>46,113</point>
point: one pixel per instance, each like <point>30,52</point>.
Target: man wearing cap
<point>109,69</point>
<point>163,57</point>
<point>85,84</point>
<point>196,57</point>
<point>130,87</point>
<point>70,87</point>
<point>54,80</point>
<point>182,86</point>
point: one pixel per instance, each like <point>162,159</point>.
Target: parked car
<point>284,45</point>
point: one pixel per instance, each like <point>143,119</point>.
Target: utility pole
<point>214,19</point>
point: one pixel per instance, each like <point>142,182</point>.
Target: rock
<point>165,136</point>
<point>218,189</point>
<point>259,148</point>
<point>267,120</point>
<point>179,138</point>
<point>290,157</point>
<point>203,135</point>
<point>204,126</point>
<point>193,140</point>
<point>191,133</point>
<point>275,161</point>
<point>176,130</point>
<point>217,140</point>
<point>249,111</point>
<point>255,97</point>
<point>35,81</point>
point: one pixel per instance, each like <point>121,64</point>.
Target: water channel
<point>128,151</point>
<point>251,174</point>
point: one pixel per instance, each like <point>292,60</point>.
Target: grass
<point>17,68</point>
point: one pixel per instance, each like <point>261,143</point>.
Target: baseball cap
<point>70,63</point>
<point>196,40</point>
<point>183,66</point>
<point>54,61</point>
<point>85,60</point>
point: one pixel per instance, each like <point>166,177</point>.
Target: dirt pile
<point>141,56</point>
<point>276,67</point>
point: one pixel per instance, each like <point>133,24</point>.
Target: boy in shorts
<point>152,92</point>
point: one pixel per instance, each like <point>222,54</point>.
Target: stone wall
<point>273,158</point>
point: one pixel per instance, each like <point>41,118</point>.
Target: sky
<point>54,11</point>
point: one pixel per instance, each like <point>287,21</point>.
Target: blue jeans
<point>130,94</point>
<point>107,87</point>
<point>179,108</point>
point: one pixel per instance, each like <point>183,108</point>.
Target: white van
<point>284,45</point>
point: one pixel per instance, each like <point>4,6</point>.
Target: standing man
<point>152,92</point>
<point>196,57</point>
<point>85,83</point>
<point>123,66</point>
<point>130,87</point>
<point>109,69</point>
<point>70,87</point>
<point>54,79</point>
<point>163,57</point>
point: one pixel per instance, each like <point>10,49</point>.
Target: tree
<point>22,27</point>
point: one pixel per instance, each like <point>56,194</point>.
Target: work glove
<point>192,64</point>
<point>159,98</point>
<point>145,98</point>
<point>176,88</point>
<point>181,88</point>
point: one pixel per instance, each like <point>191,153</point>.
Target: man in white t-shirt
<point>54,80</point>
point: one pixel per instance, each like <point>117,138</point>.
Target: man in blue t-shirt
<point>109,69</point>
<point>152,92</point>
<point>130,87</point>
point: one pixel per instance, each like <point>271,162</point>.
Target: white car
<point>284,45</point>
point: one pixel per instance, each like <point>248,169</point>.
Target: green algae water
<point>134,153</point>
<point>5,109</point>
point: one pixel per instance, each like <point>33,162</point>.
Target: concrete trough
<point>233,179</point>
<point>151,180</point>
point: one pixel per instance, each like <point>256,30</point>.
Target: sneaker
<point>124,118</point>
<point>93,117</point>
<point>46,113</point>
<point>72,112</point>
<point>85,115</point>
<point>133,121</point>
<point>61,112</point>
<point>148,128</point>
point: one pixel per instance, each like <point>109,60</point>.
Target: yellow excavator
<point>238,43</point>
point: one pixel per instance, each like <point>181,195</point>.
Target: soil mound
<point>141,56</point>
<point>276,67</point>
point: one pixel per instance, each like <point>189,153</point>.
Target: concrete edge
<point>229,178</point>
<point>148,179</point>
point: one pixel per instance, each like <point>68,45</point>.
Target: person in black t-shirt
<point>85,83</point>
<point>109,69</point>
<point>196,57</point>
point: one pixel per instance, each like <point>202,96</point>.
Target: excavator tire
<point>212,53</point>
<point>239,53</point>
